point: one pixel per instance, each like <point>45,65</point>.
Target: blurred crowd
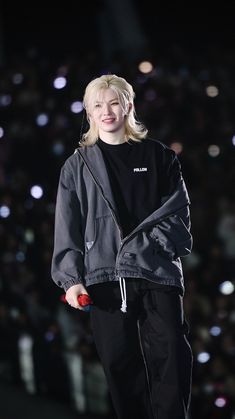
<point>187,101</point>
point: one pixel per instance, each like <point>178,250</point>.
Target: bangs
<point>96,96</point>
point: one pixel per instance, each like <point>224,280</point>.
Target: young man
<point>122,224</point>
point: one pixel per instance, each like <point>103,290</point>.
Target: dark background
<point>191,47</point>
<point>77,26</point>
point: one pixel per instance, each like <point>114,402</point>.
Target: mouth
<point>108,120</point>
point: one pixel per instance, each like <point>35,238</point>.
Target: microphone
<point>84,301</point>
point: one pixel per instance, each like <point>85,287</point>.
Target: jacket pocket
<point>140,252</point>
<point>90,239</point>
<point>172,237</point>
<point>101,249</point>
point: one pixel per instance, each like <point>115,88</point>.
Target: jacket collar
<point>93,158</point>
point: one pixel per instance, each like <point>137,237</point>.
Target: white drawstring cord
<point>122,284</point>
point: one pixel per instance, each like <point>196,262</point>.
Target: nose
<point>106,109</point>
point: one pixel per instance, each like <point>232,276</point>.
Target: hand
<point>73,293</point>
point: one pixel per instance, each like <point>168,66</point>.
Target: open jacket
<point>88,242</point>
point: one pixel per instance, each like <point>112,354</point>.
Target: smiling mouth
<point>108,120</point>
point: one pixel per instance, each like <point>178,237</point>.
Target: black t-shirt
<point>140,176</point>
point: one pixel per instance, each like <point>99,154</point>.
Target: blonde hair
<point>134,129</point>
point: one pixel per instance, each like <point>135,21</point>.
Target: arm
<point>176,227</point>
<point>67,258</point>
<point>170,174</point>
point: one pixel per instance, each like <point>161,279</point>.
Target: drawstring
<point>122,284</point>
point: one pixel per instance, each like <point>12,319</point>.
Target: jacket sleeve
<point>171,174</point>
<point>174,235</point>
<point>175,231</point>
<point>67,258</point>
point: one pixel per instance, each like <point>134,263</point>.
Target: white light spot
<point>203,357</point>
<point>213,150</point>
<point>145,67</point>
<point>226,287</point>
<point>215,330</point>
<point>1,132</point>
<point>25,343</point>
<point>42,119</point>
<point>36,191</point>
<point>220,401</point>
<point>4,211</point>
<point>233,140</point>
<point>76,107</point>
<point>5,100</point>
<point>212,91</point>
<point>60,82</point>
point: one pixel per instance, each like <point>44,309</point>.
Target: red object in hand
<point>84,301</point>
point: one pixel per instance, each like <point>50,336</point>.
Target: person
<point>122,224</point>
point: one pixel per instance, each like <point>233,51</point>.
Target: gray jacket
<point>88,245</point>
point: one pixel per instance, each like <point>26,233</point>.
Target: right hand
<point>73,293</point>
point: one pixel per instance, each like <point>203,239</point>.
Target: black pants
<point>145,354</point>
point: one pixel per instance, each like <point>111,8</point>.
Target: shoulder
<point>72,162</point>
<point>157,146</point>
<point>166,158</point>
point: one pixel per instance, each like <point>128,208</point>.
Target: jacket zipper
<point>107,202</point>
<point>109,206</point>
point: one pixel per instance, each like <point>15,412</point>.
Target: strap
<point>122,284</point>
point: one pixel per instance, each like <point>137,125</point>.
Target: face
<point>107,112</point>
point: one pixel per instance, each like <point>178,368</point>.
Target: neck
<point>113,138</point>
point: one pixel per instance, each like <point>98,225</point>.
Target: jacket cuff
<point>66,285</point>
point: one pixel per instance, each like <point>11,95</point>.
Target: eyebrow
<point>101,101</point>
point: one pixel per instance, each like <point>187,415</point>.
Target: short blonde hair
<point>134,129</point>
